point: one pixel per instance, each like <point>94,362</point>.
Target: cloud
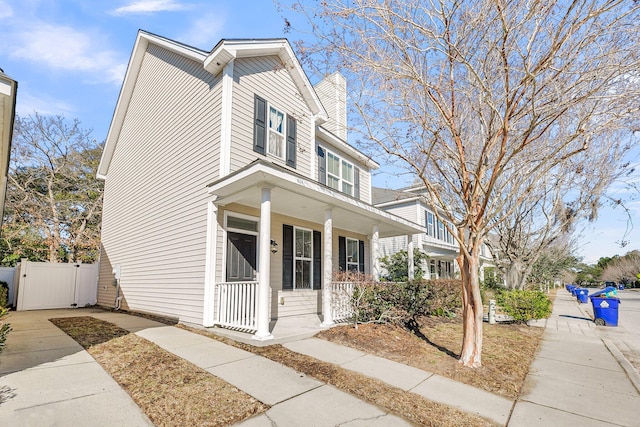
<point>27,104</point>
<point>5,10</point>
<point>64,48</point>
<point>150,6</point>
<point>205,31</point>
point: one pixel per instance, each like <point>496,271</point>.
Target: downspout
<point>117,303</point>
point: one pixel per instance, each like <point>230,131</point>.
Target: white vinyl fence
<point>44,285</point>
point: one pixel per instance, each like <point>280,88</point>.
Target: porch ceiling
<point>296,196</point>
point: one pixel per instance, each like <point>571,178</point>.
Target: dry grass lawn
<point>507,352</point>
<point>168,389</point>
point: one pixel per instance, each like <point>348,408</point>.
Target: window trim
<point>296,258</point>
<point>341,180</point>
<point>283,135</point>
<point>355,263</point>
<point>225,229</point>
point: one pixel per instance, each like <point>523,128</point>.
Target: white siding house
<point>231,194</point>
<point>8,90</point>
<point>436,241</point>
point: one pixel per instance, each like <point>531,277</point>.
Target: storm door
<point>241,257</point>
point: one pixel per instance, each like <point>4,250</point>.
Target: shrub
<point>403,303</point>
<point>524,305</point>
<point>4,293</point>
<point>5,328</point>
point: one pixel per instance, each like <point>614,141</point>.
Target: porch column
<point>327,269</point>
<point>208,315</point>
<point>411,267</point>
<point>481,272</point>
<point>375,253</point>
<point>264,267</point>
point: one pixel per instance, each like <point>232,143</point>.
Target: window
<point>333,171</point>
<point>347,178</point>
<point>440,230</point>
<point>340,174</point>
<point>353,257</point>
<point>303,258</point>
<point>276,132</point>
<point>430,221</point>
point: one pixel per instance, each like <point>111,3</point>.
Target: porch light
<point>274,246</point>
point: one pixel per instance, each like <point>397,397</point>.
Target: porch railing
<point>341,304</point>
<point>236,305</point>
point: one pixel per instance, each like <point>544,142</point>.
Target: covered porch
<point>303,233</point>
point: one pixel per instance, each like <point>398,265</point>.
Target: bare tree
<point>623,269</point>
<point>54,203</point>
<point>483,101</point>
<point>544,221</point>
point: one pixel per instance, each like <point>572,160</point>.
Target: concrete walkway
<point>576,379</point>
<point>47,379</point>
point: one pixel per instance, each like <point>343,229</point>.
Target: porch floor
<point>284,329</point>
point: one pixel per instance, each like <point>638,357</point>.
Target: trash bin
<point>582,295</point>
<point>570,288</point>
<point>609,291</point>
<point>621,286</point>
<point>574,291</point>
<point>605,310</point>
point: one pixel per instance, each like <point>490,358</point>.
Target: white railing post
<point>342,292</point>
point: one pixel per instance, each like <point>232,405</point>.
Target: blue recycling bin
<point>621,286</point>
<point>570,288</point>
<point>605,310</point>
<point>582,295</point>
<point>574,291</point>
<point>609,291</point>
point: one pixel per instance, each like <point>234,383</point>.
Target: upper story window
<point>437,228</point>
<point>276,132</point>
<point>430,220</point>
<point>338,173</point>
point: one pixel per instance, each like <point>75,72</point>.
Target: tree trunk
<point>472,311</point>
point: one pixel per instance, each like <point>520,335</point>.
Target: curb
<point>626,365</point>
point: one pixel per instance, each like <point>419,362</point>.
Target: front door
<point>241,257</point>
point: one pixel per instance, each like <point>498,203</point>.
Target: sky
<point>69,58</point>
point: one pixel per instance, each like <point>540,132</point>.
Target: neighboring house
<point>231,196</point>
<point>437,242</point>
<point>8,89</point>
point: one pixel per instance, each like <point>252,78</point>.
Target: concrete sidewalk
<point>576,379</point>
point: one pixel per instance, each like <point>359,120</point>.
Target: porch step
<point>284,329</point>
<point>294,328</point>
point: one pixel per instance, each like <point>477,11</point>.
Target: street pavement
<point>578,377</point>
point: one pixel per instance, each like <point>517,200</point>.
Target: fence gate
<point>43,285</point>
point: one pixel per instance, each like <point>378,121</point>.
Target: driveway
<point>46,378</point>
